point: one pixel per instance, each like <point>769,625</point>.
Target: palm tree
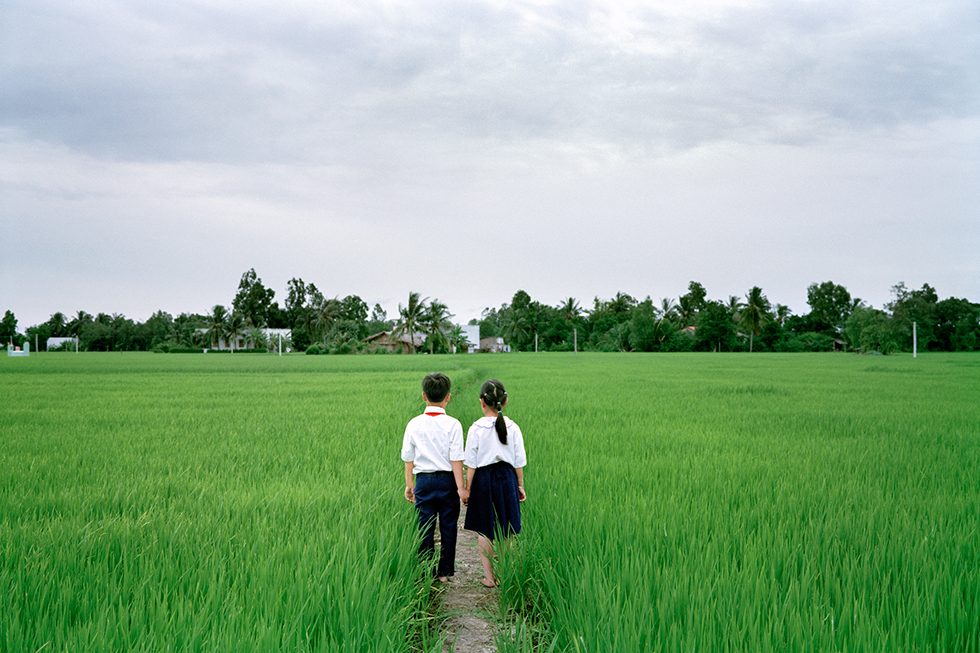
<point>216,325</point>
<point>570,309</point>
<point>457,338</point>
<point>755,312</point>
<point>326,313</point>
<point>667,314</point>
<point>687,314</point>
<point>58,323</point>
<point>734,307</point>
<point>517,328</point>
<point>436,321</point>
<point>781,312</point>
<point>309,312</point>
<point>667,309</point>
<point>234,328</point>
<point>621,304</point>
<point>77,322</point>
<point>256,337</point>
<point>410,317</point>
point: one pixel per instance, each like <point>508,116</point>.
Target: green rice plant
<point>676,503</point>
<point>208,503</point>
<point>733,503</point>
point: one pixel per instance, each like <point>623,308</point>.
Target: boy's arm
<point>410,481</point>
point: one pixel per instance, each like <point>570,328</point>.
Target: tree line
<point>691,322</point>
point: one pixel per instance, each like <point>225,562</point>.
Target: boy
<point>432,450</point>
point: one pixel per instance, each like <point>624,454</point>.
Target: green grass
<point>749,503</point>
<point>193,503</point>
<point>676,502</point>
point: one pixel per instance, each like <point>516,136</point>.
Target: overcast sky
<point>150,153</point>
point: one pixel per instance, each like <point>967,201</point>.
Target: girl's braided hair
<point>494,396</point>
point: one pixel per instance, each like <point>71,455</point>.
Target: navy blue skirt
<point>494,506</point>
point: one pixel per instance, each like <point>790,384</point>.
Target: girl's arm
<point>464,494</point>
<point>520,483</point>
<point>470,475</point>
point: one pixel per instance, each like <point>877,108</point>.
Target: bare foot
<point>443,579</point>
<point>488,583</point>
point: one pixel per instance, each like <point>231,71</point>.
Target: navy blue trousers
<point>436,496</point>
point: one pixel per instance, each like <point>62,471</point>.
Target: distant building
<point>494,344</point>
<point>52,344</point>
<point>273,336</point>
<point>244,340</point>
<point>388,341</point>
<point>17,351</point>
<point>472,333</point>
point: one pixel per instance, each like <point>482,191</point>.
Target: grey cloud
<point>259,84</point>
<point>611,150</point>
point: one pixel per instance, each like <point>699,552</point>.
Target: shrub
<point>806,342</point>
<point>176,349</point>
<point>341,348</point>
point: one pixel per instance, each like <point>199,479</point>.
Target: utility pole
<point>535,342</point>
<point>915,342</point>
<point>575,338</point>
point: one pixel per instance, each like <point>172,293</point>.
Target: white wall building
<point>245,340</point>
<point>472,333</point>
<point>53,343</point>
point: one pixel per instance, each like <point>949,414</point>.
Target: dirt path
<point>468,605</point>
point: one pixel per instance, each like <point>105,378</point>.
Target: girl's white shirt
<point>483,447</point>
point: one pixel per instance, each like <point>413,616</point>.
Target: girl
<point>495,460</point>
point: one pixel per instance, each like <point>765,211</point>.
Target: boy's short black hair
<point>436,386</point>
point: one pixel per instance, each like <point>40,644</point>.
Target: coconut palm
<point>734,307</point>
<point>667,309</point>
<point>326,312</point>
<point>309,311</point>
<point>234,328</point>
<point>410,317</point>
<point>75,325</point>
<point>754,313</point>
<point>256,337</point>
<point>687,314</point>
<point>621,304</point>
<point>667,314</point>
<point>570,309</point>
<point>781,312</point>
<point>518,327</point>
<point>57,322</point>
<point>216,325</point>
<point>436,320</point>
<point>457,338</point>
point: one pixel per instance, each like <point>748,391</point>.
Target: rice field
<point>749,503</point>
<point>676,503</point>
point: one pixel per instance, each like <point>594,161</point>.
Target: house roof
<point>388,337</point>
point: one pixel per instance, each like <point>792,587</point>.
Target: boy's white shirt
<point>432,442</point>
<point>483,447</point>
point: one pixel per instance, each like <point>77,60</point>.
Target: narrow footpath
<point>468,605</point>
